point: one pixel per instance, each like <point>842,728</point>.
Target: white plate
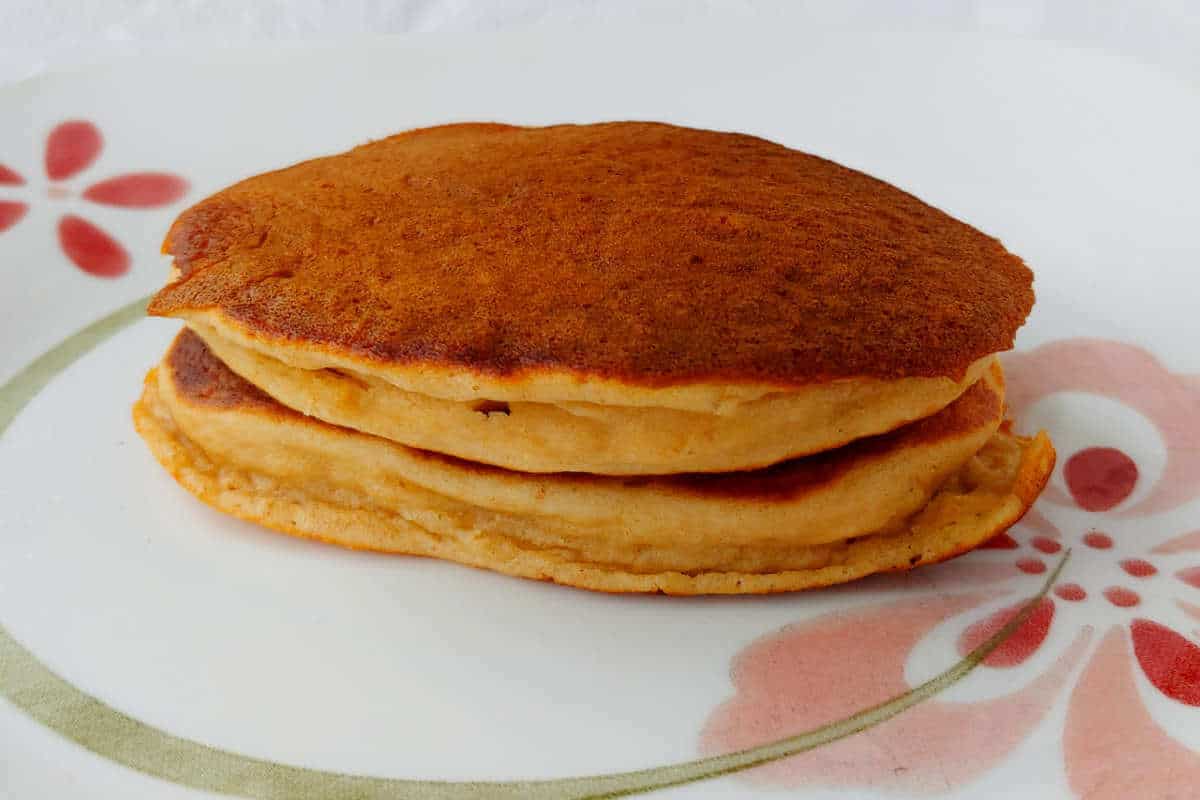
<point>152,647</point>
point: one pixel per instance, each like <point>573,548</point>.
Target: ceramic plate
<point>151,647</point>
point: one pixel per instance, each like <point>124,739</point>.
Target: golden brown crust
<point>639,252</point>
<point>201,378</point>
<point>976,408</point>
<point>207,381</point>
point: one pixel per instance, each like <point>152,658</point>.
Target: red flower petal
<point>1001,541</point>
<point>1100,477</point>
<point>11,213</point>
<point>9,177</point>
<point>1072,592</point>
<point>1024,641</point>
<point>70,148</point>
<point>1121,597</point>
<point>92,250</point>
<point>138,190</point>
<point>1129,375</point>
<point>1139,567</point>
<point>1171,662</point>
<point>830,666</point>
<point>1046,545</point>
<point>1031,565</point>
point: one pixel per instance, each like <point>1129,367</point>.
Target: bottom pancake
<point>980,498</point>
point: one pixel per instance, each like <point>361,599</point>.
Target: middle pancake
<point>543,437</point>
<point>751,521</point>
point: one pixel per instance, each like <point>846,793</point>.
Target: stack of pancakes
<point>627,357</point>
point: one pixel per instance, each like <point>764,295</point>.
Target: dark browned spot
<point>202,378</point>
<point>489,407</point>
<point>342,375</point>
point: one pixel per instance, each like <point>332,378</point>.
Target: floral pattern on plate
<point>1112,746</point>
<point>72,147</point>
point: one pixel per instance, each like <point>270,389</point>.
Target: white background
<point>41,35</point>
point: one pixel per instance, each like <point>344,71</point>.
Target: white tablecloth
<point>41,35</point>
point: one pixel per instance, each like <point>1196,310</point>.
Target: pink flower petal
<point>91,249</point>
<point>1133,376</point>
<point>1180,544</point>
<point>1190,576</point>
<point>1023,643</point>
<point>11,213</point>
<point>842,662</point>
<point>946,576</point>
<point>1171,662</point>
<point>138,190</point>
<point>71,147</point>
<point>1190,609</point>
<point>1056,495</point>
<point>9,177</point>
<point>1113,748</point>
<point>1100,477</point>
<point>1036,521</point>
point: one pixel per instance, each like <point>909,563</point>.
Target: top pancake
<point>627,255</point>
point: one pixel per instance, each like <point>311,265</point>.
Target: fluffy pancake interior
<point>986,495</point>
<point>592,438</point>
<point>765,520</point>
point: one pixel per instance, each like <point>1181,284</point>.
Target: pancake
<point>593,438</point>
<point>926,492</point>
<point>621,266</point>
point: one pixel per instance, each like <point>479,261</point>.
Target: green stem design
<point>105,731</point>
<point>26,384</point>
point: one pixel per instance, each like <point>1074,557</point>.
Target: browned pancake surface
<point>641,252</point>
<point>204,380</point>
